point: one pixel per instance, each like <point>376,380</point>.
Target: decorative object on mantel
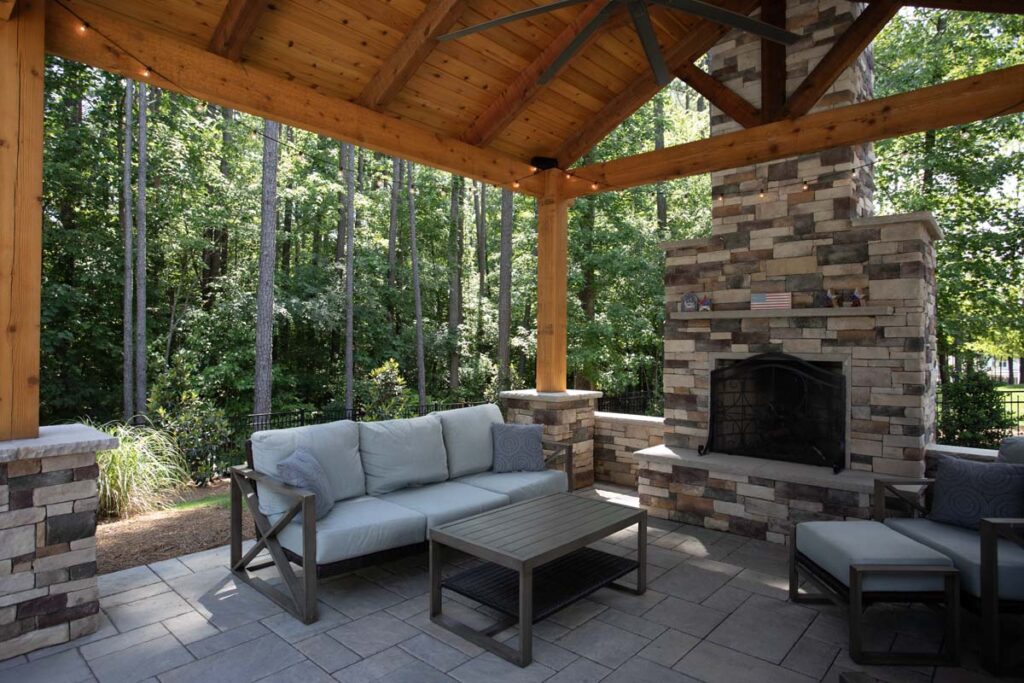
<point>857,298</point>
<point>771,301</point>
<point>825,299</point>
<point>690,303</point>
<point>705,303</point>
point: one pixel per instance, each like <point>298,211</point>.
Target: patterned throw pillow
<point>517,448</point>
<point>302,469</point>
<point>966,491</point>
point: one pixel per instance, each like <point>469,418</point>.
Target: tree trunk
<point>225,170</point>
<point>350,231</point>
<point>588,290</point>
<point>481,260</point>
<point>140,259</point>
<point>396,189</point>
<point>505,288</point>
<point>455,242</point>
<point>1009,364</point>
<point>169,349</point>
<point>339,242</point>
<point>128,305</point>
<point>421,369</point>
<point>265,286</point>
<point>660,200</point>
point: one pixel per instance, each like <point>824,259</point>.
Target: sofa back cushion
<point>966,492</point>
<point>1011,450</point>
<point>467,438</point>
<point>401,453</point>
<point>335,445</point>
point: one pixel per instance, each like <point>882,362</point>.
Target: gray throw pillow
<point>517,448</point>
<point>302,469</point>
<point>1011,450</point>
<point>966,492</point>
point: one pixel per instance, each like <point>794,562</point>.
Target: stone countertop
<point>56,441</point>
<point>550,396</point>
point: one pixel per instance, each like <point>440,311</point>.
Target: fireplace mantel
<point>852,311</point>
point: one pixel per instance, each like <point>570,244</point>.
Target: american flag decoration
<point>775,301</point>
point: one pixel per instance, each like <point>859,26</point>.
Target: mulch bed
<point>155,536</point>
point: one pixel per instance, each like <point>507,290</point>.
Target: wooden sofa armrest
<point>886,485</point>
<point>563,450</point>
<point>274,484</point>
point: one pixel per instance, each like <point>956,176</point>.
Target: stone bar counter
<point>48,504</point>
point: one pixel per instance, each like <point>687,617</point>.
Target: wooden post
<point>552,282</point>
<point>21,215</point>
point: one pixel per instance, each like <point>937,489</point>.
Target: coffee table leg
<point>525,616</point>
<point>641,554</point>
<point>435,578</point>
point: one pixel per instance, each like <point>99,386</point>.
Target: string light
<point>146,72</point>
<point>83,27</point>
<point>533,169</point>
<point>761,193</point>
<point>515,184</point>
<point>568,176</point>
<point>807,186</point>
<point>593,186</point>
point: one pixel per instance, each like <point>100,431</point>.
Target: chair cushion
<point>335,445</point>
<point>966,492</point>
<point>518,448</point>
<point>520,486</point>
<point>963,546</point>
<point>303,470</point>
<point>467,438</point>
<point>356,527</point>
<point>447,502</point>
<point>834,546</point>
<point>400,453</point>
<point>1011,450</point>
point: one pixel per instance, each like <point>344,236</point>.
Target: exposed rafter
<point>398,68</point>
<point>237,22</point>
<point>720,95</point>
<point>521,91</point>
<point>703,36</point>
<point>773,63</point>
<point>125,47</point>
<point>958,102</point>
<point>6,9</point>
<point>994,6</point>
<point>842,54</point>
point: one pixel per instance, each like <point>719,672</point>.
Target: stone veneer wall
<point>889,344</point>
<point>567,418</point>
<point>48,503</point>
<point>616,438</point>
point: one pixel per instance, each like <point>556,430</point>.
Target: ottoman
<point>860,563</point>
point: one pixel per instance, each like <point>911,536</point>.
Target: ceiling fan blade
<point>644,29</point>
<point>599,19</point>
<point>515,16</point>
<point>720,15</point>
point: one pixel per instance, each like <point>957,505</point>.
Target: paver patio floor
<point>715,611</point>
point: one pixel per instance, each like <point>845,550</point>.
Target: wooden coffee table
<point>535,563</point>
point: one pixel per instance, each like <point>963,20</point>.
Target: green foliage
<point>383,395</point>
<point>973,412</point>
<point>202,434</point>
<point>142,474</point>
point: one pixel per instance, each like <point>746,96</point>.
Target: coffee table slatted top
<point>535,530</point>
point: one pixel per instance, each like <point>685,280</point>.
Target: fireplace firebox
<point>779,407</point>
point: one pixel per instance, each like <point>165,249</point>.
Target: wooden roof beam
<point>236,25</point>
<point>398,68</point>
<point>773,63</point>
<point>126,47</point>
<point>720,95</point>
<point>841,55</point>
<point>992,6</point>
<point>6,9</point>
<point>997,93</point>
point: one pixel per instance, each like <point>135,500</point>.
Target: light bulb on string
<point>83,27</point>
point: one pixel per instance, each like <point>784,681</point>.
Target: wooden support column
<point>552,282</point>
<point>21,216</point>
<point>773,63</point>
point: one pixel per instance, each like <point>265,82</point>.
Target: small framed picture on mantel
<point>771,301</point>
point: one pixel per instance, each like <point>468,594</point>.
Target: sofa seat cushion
<point>963,546</point>
<point>834,546</point>
<point>400,453</point>
<point>335,445</point>
<point>467,438</point>
<point>519,486</point>
<point>447,502</point>
<point>359,526</point>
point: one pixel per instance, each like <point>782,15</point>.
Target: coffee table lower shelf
<point>556,584</point>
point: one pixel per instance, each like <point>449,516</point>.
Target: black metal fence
<point>1013,402</point>
<point>651,403</point>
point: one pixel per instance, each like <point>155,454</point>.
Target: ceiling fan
<point>638,11</point>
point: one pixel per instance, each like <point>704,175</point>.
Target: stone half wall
<point>617,437</point>
<point>887,346</point>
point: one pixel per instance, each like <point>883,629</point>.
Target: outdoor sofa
<point>392,482</point>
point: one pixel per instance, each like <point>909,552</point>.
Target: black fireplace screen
<point>779,407</point>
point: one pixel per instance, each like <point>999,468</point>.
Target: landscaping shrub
<point>973,411</point>
<point>142,474</point>
<point>201,432</point>
<point>383,395</point>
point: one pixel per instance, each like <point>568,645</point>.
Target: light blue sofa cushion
<point>400,453</point>
<point>359,526</point>
<point>467,438</point>
<point>963,546</point>
<point>335,445</point>
<point>446,502</point>
<point>834,546</point>
<point>519,486</point>
<point>303,470</point>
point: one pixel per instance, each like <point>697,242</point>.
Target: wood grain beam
<point>504,109</point>
<point>992,6</point>
<point>773,63</point>
<point>122,46</point>
<point>720,95</point>
<point>236,25</point>
<point>997,93</point>
<point>703,36</point>
<point>841,55</point>
<point>552,282</point>
<point>6,9</point>
<point>398,68</point>
<point>22,66</point>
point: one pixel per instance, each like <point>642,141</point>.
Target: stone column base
<point>568,417</point>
